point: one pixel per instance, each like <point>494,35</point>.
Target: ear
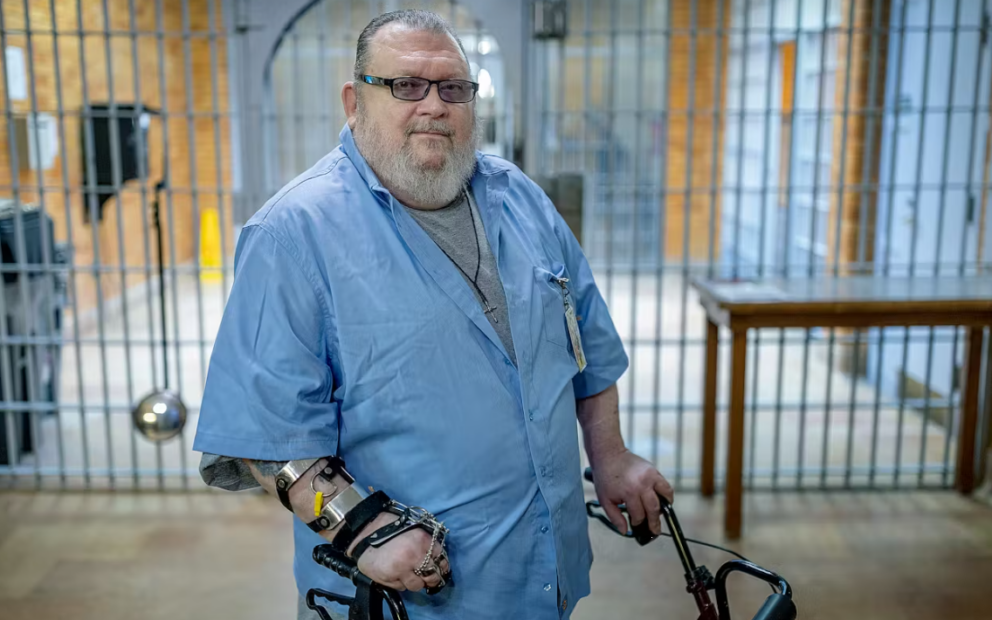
<point>349,100</point>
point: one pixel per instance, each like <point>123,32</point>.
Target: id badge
<point>575,336</point>
<point>573,325</point>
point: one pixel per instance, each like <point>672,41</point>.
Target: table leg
<point>964,474</point>
<point>709,408</point>
<point>735,438</point>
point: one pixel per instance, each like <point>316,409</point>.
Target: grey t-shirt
<point>458,230</point>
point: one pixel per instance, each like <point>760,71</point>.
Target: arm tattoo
<point>268,468</point>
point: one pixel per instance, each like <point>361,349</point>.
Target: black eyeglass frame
<point>381,81</point>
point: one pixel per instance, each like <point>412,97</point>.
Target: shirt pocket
<point>553,301</point>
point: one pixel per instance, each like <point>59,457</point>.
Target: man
<point>422,312</point>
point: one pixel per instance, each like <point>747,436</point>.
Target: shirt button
<point>547,587</point>
<point>544,529</point>
<point>544,471</point>
<point>564,605</point>
<point>506,361</point>
<point>531,415</point>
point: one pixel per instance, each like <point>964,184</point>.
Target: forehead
<point>399,50</point>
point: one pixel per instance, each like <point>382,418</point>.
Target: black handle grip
<point>642,531</point>
<point>777,607</point>
<point>331,558</point>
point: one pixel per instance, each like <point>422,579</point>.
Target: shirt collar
<point>351,150</point>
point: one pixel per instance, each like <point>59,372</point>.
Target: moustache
<point>432,126</point>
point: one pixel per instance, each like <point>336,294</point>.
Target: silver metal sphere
<point>160,416</point>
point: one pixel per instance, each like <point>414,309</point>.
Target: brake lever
<point>642,531</point>
<point>602,518</point>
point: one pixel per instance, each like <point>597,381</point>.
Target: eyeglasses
<point>416,88</point>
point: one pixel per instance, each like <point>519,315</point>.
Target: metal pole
<point>893,156</point>
<point>635,228</point>
<point>47,272</point>
<point>611,84</point>
<point>983,41</point>
<point>94,226</point>
<point>812,210</point>
<point>191,138</point>
<point>71,276</point>
<point>715,124</point>
<point>763,197</point>
<point>142,149</point>
<point>662,231</point>
<point>116,175</point>
<point>6,363</point>
<point>739,179</point>
<point>940,229</point>
<point>686,213</point>
<point>912,242</point>
<point>831,346</point>
<point>160,20</point>
<point>218,160</point>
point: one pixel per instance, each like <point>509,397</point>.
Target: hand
<point>625,478</point>
<point>393,563</point>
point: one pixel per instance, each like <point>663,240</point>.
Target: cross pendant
<point>491,310</point>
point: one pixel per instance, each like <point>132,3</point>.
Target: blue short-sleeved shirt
<point>349,332</point>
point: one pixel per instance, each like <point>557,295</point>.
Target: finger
<point>616,517</point>
<point>635,509</point>
<point>395,584</point>
<point>433,580</point>
<point>441,561</point>
<point>652,506</point>
<point>661,487</point>
<point>412,582</point>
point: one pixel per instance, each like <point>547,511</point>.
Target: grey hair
<point>415,19</point>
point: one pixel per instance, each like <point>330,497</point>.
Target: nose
<point>432,105</point>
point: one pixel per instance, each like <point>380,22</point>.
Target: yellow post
<point>210,248</point>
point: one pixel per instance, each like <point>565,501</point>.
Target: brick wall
<point>123,215</point>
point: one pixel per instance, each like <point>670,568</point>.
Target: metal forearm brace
<point>353,508</point>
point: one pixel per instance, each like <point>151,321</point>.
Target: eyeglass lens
<point>415,89</point>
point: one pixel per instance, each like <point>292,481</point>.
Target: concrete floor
<point>200,556</point>
<point>110,378</point>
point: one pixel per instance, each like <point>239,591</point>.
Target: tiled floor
<point>199,556</point>
<point>108,379</point>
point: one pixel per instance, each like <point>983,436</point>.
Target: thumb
<point>616,516</point>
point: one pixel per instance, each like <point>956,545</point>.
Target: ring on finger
<point>427,571</point>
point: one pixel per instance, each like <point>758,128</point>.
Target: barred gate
<point>776,138</point>
<point>734,138</point>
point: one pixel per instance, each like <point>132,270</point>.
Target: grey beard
<point>396,168</point>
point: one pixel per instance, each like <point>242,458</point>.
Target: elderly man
<point>411,321</point>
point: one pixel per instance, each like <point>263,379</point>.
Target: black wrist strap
<point>357,518</point>
<point>364,544</point>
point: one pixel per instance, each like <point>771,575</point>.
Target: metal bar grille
<point>717,138</point>
<point>806,176</point>
<point>123,114</point>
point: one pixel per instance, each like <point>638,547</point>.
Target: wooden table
<point>856,302</point>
